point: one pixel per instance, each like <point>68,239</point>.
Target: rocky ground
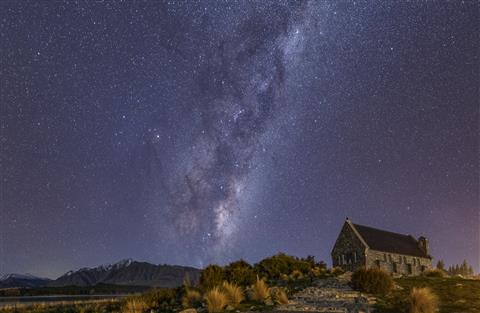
<point>331,295</point>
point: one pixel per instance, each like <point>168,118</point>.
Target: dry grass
<point>260,290</point>
<point>190,298</point>
<point>216,300</point>
<point>422,300</point>
<point>234,293</point>
<point>279,295</point>
<point>134,305</point>
<point>43,306</point>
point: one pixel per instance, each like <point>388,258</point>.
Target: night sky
<point>196,132</point>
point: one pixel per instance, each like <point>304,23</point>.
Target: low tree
<point>240,273</point>
<point>463,269</point>
<point>212,276</point>
<point>441,265</point>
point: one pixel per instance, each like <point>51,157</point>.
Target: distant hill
<point>128,272</point>
<point>22,281</point>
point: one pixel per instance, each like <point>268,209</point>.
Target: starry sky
<point>197,132</point>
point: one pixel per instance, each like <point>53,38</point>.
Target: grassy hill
<point>455,294</point>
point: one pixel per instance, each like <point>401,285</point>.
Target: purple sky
<point>191,133</point>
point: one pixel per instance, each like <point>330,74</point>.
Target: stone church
<point>362,246</point>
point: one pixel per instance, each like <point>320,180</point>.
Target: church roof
<point>385,241</point>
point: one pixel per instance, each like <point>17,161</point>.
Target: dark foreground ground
<point>456,295</point>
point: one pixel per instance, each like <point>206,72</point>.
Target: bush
<point>434,273</point>
<point>274,266</point>
<point>318,272</point>
<point>337,271</point>
<point>372,280</point>
<point>296,274</point>
<point>191,298</point>
<point>240,273</point>
<point>260,291</point>
<point>279,295</point>
<point>234,293</point>
<point>160,298</point>
<point>216,300</point>
<point>212,276</point>
<point>422,300</point>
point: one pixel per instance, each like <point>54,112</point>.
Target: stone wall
<point>348,252</point>
<point>397,263</point>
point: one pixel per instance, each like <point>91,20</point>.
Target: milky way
<point>241,89</point>
<point>198,132</point>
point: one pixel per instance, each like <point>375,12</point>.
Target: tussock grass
<point>279,295</point>
<point>134,305</point>
<point>234,293</point>
<point>216,300</point>
<point>259,290</point>
<point>422,300</point>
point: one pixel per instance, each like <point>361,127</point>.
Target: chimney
<point>423,244</point>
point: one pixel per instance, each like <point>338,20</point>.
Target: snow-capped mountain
<point>129,272</point>
<point>22,280</point>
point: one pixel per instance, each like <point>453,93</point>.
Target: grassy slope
<point>455,294</point>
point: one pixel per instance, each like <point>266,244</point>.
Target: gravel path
<point>331,295</point>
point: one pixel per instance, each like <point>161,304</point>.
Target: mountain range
<point>125,272</point>
<point>22,280</point>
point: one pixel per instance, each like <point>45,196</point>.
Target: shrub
<point>279,295</point>
<point>337,271</point>
<point>422,300</point>
<point>260,290</point>
<point>234,293</point>
<point>212,276</point>
<point>216,300</point>
<point>274,266</point>
<point>240,273</point>
<point>296,274</point>
<point>284,277</point>
<point>372,280</point>
<point>317,272</point>
<point>434,273</point>
<point>160,298</point>
<point>191,298</point>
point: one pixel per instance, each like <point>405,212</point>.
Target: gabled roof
<point>385,241</point>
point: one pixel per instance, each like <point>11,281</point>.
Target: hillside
<point>455,294</point>
<point>22,280</point>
